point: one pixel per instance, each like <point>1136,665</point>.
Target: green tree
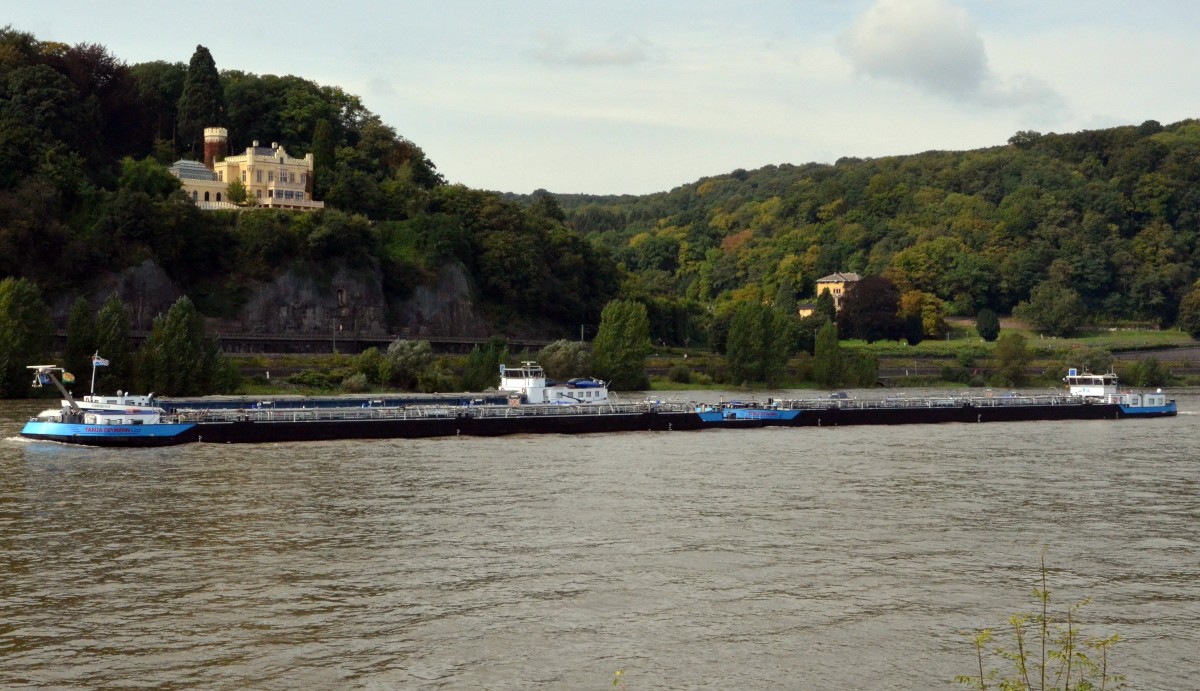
<point>1148,372</point>
<point>408,362</point>
<point>621,345</point>
<point>828,360</point>
<point>870,311</point>
<point>806,331</point>
<point>825,306</point>
<point>179,358</point>
<point>759,344</point>
<point>564,359</point>
<point>324,158</point>
<point>113,344</point>
<point>81,338</point>
<point>1188,318</point>
<point>1053,309</point>
<point>987,324</point>
<point>148,176</point>
<point>202,102</point>
<point>1012,358</point>
<point>25,332</point>
<point>482,369</point>
<point>236,193</point>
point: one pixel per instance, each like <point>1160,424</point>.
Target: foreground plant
<point>1049,654</point>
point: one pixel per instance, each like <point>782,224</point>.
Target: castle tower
<point>216,145</point>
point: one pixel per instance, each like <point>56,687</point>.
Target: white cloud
<point>553,49</point>
<point>936,46</point>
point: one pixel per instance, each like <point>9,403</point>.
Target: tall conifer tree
<point>203,102</point>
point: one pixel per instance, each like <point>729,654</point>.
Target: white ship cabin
<point>1103,387</point>
<point>1091,385</point>
<point>120,409</point>
<point>529,381</point>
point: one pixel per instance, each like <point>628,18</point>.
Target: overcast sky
<point>639,96</point>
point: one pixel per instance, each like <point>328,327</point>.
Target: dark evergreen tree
<point>987,324</point>
<point>759,344</point>
<point>81,338</point>
<point>324,150</point>
<point>25,329</point>
<point>179,358</point>
<point>202,103</point>
<point>113,344</point>
<point>621,345</point>
<point>482,369</point>
<point>828,365</point>
<point>825,306</point>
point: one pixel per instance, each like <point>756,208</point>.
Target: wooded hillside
<point>1105,219</point>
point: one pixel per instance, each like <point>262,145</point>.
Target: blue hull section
<point>108,434</point>
<point>764,415</point>
<point>1150,410</point>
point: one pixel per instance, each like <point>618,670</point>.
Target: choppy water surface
<point>837,558</point>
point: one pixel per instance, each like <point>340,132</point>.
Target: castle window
<point>270,176</point>
<point>258,193</point>
<point>195,196</point>
<point>218,196</point>
<point>206,196</point>
<point>258,175</point>
<point>221,176</point>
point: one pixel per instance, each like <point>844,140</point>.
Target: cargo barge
<point>582,408</point>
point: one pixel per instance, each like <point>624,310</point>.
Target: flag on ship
<point>98,361</point>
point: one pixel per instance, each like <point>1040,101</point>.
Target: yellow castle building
<point>836,285</point>
<point>272,178</point>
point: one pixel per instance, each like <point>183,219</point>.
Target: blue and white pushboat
<point>121,420</point>
<point>1103,388</point>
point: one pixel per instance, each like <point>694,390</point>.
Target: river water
<point>832,558</point>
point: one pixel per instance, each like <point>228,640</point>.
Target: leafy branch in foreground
<point>1050,653</point>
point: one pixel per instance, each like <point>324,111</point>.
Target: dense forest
<point>1102,224</point>
<point>85,141</point>
<point>1094,227</point>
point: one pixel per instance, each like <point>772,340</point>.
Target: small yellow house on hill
<point>836,285</point>
<point>272,178</point>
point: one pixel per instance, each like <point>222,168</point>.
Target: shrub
<point>680,374</point>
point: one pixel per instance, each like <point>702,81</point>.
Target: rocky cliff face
<point>353,302</point>
<point>349,302</point>
<point>442,309</point>
<point>145,289</point>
